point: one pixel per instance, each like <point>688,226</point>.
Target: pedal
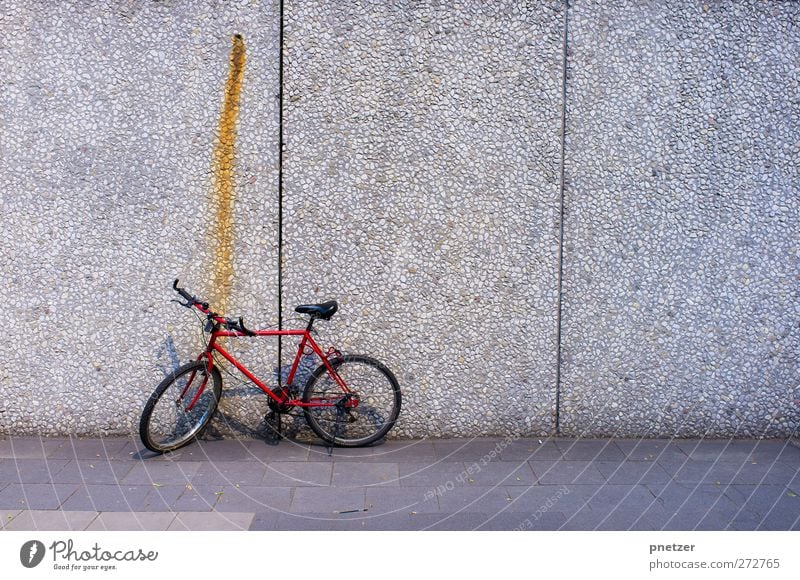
<point>272,422</point>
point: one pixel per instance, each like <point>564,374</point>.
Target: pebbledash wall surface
<point>637,274</point>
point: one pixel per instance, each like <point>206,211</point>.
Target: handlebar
<point>192,301</point>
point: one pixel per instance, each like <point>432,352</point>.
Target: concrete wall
<point>681,284</point>
<point>422,188</point>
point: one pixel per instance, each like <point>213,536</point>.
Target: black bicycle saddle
<point>324,310</point>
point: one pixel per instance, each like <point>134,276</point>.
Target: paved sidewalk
<point>483,484</point>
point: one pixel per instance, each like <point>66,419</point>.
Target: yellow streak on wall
<point>223,189</point>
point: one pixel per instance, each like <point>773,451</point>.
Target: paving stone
<point>115,448</point>
<point>124,498</point>
<point>36,496</point>
<point>6,515</point>
<point>590,450</point>
<point>350,474</point>
<point>383,500</point>
<point>252,499</point>
<point>499,473</point>
<point>242,472</point>
<point>525,449</point>
<point>294,473</point>
<point>213,521</point>
<point>632,472</point>
<point>433,475</point>
<point>223,450</point>
<point>734,472</point>
<point>197,497</point>
<point>51,520</point>
<point>449,450</point>
<point>131,521</point>
<point>555,472</point>
<point>390,452</point>
<point>28,447</point>
<point>327,500</point>
<point>31,470</point>
<point>478,499</point>
<point>162,473</point>
<point>286,450</point>
<point>652,449</point>
<point>91,471</point>
<point>537,500</point>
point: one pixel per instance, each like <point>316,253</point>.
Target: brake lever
<point>186,304</point>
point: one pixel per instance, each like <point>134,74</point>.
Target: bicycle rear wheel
<point>180,407</point>
<point>371,383</point>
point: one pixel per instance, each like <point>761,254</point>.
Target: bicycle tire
<point>163,426</point>
<point>379,405</point>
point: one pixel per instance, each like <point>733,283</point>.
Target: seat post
<point>310,324</point>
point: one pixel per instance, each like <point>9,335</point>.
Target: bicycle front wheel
<point>180,407</point>
<point>334,417</point>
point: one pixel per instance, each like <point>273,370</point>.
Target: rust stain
<point>223,186</point>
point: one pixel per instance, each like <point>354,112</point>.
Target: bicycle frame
<point>306,341</point>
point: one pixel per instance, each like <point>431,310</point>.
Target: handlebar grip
<point>181,291</point>
<point>244,329</point>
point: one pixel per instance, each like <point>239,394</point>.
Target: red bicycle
<point>348,401</point>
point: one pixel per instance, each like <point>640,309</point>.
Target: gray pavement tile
<point>590,450</point>
<point>726,472</point>
<point>472,450</point>
<point>131,521</point>
<point>718,449</point>
<point>499,473</point>
<point>6,515</point>
<point>326,522</point>
<point>31,470</point>
<point>383,500</point>
<point>632,472</point>
<point>520,522</point>
<point>327,500</point>
<point>162,472</point>
<point>433,475</point>
<point>555,472</point>
<point>777,504</point>
<point>252,499</point>
<point>390,452</point>
<point>478,499</point>
<point>197,497</point>
<point>88,471</point>
<point>242,472</point>
<point>265,521</point>
<point>220,450</point>
<point>51,520</point>
<point>383,522</point>
<point>525,449</point>
<point>622,518</point>
<point>115,448</point>
<point>27,447</point>
<point>123,498</point>
<point>36,496</point>
<point>651,449</point>
<point>784,517</point>
<point>461,521</point>
<point>303,522</point>
<point>296,473</point>
<point>627,499</point>
<point>537,500</point>
<point>352,474</point>
<point>285,450</point>
<point>211,521</point>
